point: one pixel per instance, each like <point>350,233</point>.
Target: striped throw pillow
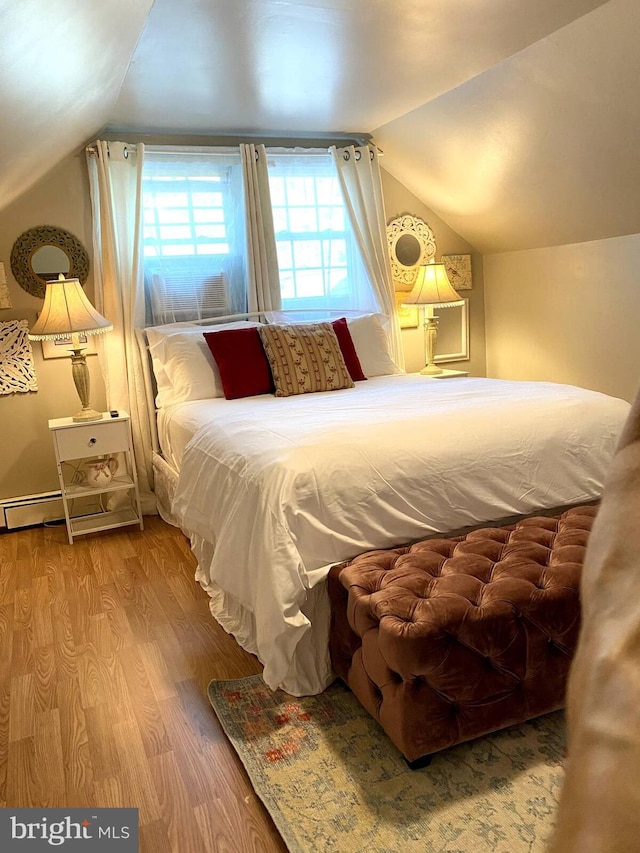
<point>305,358</point>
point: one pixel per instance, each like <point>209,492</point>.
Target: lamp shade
<point>433,287</point>
<point>67,311</point>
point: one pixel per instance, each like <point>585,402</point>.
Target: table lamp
<point>432,290</point>
<point>68,313</point>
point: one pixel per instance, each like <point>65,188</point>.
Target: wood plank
<point>7,581</point>
<point>157,672</point>
<point>75,744</point>
<point>44,678</point>
<point>22,707</point>
<point>145,706</point>
<point>22,774</point>
<point>49,761</point>
<point>177,810</point>
<point>5,694</point>
<point>105,761</point>
<point>137,789</point>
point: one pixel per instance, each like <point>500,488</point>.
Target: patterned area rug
<point>332,781</point>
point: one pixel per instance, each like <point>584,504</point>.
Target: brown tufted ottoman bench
<point>452,638</point>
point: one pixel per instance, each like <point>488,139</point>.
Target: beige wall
<point>27,463</point>
<point>567,314</point>
<point>398,200</point>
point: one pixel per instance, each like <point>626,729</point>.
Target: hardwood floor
<point>106,650</point>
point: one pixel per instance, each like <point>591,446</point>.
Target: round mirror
<point>49,261</point>
<point>411,244</point>
<point>408,250</point>
<point>41,254</point>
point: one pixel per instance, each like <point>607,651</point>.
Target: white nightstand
<point>85,506</point>
<point>446,374</point>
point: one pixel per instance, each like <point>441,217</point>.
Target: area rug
<point>332,781</point>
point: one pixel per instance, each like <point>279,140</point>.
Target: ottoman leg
<point>418,763</point>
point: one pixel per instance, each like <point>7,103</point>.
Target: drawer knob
<point>92,440</point>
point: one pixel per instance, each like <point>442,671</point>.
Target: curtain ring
<point>257,155</point>
<point>371,154</point>
<point>358,154</point>
<point>346,155</point>
<point>125,152</point>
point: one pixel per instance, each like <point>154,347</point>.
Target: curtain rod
<point>92,150</point>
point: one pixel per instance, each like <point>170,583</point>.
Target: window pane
<point>309,283</point>
<point>213,249</point>
<point>287,285</point>
<point>208,215</point>
<point>177,232</point>
<point>285,255</point>
<point>303,219</point>
<point>300,191</point>
<point>331,219</point>
<point>206,199</point>
<point>329,191</point>
<point>334,253</point>
<point>276,190</point>
<point>280,221</point>
<point>307,253</point>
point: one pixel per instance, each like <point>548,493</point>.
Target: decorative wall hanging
<point>411,244</point>
<point>17,373</point>
<point>41,254</point>
<point>458,269</point>
<point>5,299</point>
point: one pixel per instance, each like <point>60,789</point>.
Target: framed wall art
<point>458,269</point>
<point>17,372</point>
<point>411,244</point>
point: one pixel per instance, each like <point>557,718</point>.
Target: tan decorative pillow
<point>305,358</point>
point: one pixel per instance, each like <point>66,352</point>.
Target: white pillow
<point>372,346</point>
<point>182,362</point>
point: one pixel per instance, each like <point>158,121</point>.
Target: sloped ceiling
<point>517,122</point>
<point>62,64</point>
<point>540,150</point>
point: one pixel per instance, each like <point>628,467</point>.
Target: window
<point>318,259</point>
<point>195,243</point>
<point>193,235</point>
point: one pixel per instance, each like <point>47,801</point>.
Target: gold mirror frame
<point>404,275</point>
<point>28,244</point>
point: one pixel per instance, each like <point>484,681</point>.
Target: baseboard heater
<point>29,510</point>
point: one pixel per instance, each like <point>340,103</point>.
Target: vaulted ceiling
<point>517,122</point>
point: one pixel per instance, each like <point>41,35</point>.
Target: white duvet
<point>276,490</point>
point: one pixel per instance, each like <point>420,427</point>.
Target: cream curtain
<point>359,174</point>
<point>263,283</point>
<point>115,177</point>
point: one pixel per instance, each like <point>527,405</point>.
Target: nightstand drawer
<point>94,439</point>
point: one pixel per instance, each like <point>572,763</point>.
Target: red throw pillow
<point>347,346</point>
<point>244,369</point>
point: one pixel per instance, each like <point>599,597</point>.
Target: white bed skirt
<point>314,671</point>
<point>165,479</point>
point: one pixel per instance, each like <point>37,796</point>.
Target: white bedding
<point>284,488</point>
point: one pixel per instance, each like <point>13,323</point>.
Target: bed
<point>273,491</point>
